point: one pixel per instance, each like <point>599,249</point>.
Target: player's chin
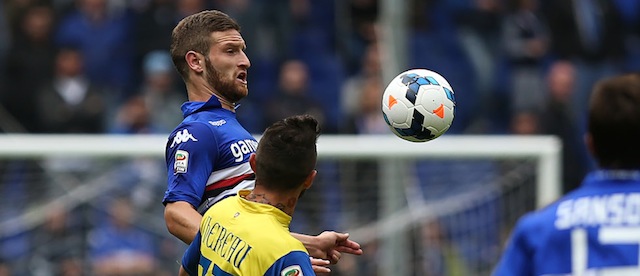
<point>237,94</point>
<point>242,89</point>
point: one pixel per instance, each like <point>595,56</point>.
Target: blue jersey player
<point>227,243</point>
<point>594,230</point>
<point>207,155</point>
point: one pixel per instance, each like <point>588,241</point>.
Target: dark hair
<point>193,33</point>
<point>614,122</point>
<point>287,153</point>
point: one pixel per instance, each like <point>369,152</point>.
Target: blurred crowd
<point>516,66</point>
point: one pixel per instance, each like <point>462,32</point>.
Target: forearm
<point>182,220</point>
<point>311,244</point>
<point>328,245</point>
<point>305,239</point>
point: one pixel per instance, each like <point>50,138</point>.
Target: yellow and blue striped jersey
<point>240,237</point>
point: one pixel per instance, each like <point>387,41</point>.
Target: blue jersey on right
<point>594,230</point>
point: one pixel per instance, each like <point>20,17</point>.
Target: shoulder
<point>292,263</point>
<point>283,248</point>
<point>225,205</point>
<point>190,132</point>
<point>537,228</point>
<point>216,122</point>
<point>273,238</point>
<point>538,220</point>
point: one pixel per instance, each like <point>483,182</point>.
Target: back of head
<point>614,122</point>
<point>287,153</point>
<point>193,33</point>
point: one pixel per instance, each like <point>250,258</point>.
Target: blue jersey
<point>594,230</point>
<point>207,156</point>
<point>240,237</point>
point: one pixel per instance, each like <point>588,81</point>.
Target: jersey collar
<point>608,176</point>
<point>261,208</point>
<point>189,108</point>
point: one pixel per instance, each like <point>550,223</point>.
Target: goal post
<point>395,204</point>
<point>545,149</point>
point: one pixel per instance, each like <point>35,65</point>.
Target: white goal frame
<point>546,150</point>
<point>392,151</point>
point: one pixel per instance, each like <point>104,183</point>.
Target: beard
<point>227,89</point>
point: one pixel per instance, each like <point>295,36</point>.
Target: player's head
<point>207,48</point>
<point>286,154</point>
<point>614,122</point>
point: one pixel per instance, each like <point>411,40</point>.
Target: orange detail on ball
<point>392,101</point>
<point>439,111</point>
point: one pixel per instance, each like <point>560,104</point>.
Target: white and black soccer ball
<point>418,105</point>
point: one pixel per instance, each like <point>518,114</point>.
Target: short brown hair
<point>614,122</point>
<point>287,153</point>
<point>193,34</point>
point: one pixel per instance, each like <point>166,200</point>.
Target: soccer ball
<point>418,105</point>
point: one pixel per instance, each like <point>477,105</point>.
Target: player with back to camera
<point>595,229</point>
<point>284,168</point>
<point>208,153</point>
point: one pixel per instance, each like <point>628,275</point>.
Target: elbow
<point>181,220</point>
<point>170,221</point>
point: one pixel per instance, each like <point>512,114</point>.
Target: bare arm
<point>183,272</point>
<point>183,221</point>
<point>308,242</point>
<point>329,245</point>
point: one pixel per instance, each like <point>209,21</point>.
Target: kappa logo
<point>218,122</point>
<point>293,270</point>
<point>182,137</point>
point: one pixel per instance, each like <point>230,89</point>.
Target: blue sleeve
<point>517,258</point>
<point>294,263</point>
<point>190,154</point>
<point>191,257</point>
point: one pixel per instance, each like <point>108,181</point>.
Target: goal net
<point>88,203</point>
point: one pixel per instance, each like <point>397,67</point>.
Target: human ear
<point>588,141</point>
<point>252,161</point>
<point>194,61</point>
<point>310,178</point>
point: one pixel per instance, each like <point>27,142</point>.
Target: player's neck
<point>285,202</point>
<point>199,92</point>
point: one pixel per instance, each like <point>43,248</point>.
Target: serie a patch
<point>294,270</point>
<point>181,162</point>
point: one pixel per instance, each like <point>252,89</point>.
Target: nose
<point>244,61</point>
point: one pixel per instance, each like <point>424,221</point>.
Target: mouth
<point>242,77</point>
